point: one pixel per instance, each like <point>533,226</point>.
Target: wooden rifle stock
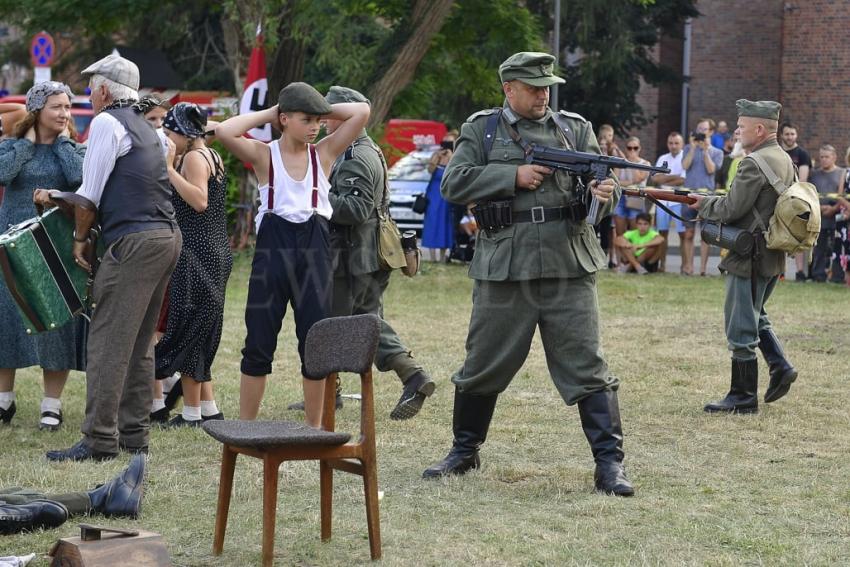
<point>676,196</point>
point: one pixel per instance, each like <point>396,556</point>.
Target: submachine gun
<point>585,167</point>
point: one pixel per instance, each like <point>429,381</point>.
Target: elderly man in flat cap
<point>358,189</point>
<point>126,191</point>
<point>537,271</point>
<point>750,278</point>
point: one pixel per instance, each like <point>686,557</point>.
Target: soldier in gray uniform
<point>358,182</point>
<point>751,278</point>
<point>539,271</point>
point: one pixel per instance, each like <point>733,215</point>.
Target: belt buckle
<point>537,215</point>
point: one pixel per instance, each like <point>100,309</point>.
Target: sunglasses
<point>633,148</point>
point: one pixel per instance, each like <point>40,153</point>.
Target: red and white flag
<point>256,94</point>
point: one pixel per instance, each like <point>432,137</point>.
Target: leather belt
<point>575,213</point>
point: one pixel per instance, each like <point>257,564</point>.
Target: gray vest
<point>137,195</point>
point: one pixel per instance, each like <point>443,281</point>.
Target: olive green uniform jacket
<point>357,184</point>
<point>751,194</point>
<point>524,251</point>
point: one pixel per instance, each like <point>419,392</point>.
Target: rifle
<point>584,165</point>
<point>656,195</point>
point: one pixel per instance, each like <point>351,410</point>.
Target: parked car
<point>81,112</point>
<point>409,177</point>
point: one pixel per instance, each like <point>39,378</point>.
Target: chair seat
<point>263,434</point>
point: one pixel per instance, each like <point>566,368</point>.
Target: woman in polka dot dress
<point>196,295</point>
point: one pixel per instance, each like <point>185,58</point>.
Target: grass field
<point>720,490</point>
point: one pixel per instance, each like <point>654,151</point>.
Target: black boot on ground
<point>38,514</point>
<point>299,406</point>
<point>121,496</point>
<point>472,415</point>
<point>743,393</point>
<point>600,419</point>
<point>782,374</point>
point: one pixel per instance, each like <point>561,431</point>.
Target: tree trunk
<point>288,60</point>
<point>427,19</point>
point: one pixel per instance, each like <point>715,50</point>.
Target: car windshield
<point>412,167</point>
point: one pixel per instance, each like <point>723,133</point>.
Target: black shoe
<point>416,389</point>
<point>174,394</point>
<point>121,496</point>
<point>57,415</point>
<point>133,450</point>
<point>214,417</point>
<point>782,373</point>
<point>743,393</point>
<point>160,416</point>
<point>299,406</point>
<point>80,452</point>
<point>472,416</point>
<point>178,421</point>
<point>46,514</point>
<point>800,277</point>
<point>600,420</point>
<point>6,415</point>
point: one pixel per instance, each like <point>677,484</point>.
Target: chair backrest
<point>342,344</point>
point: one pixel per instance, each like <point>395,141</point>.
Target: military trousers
<point>744,315</point>
<point>505,316</point>
<point>361,294</point>
<point>77,503</point>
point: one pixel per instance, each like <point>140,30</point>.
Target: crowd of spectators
<point>707,162</point>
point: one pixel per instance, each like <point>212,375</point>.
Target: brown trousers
<point>128,292</point>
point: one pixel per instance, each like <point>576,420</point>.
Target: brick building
<point>792,51</point>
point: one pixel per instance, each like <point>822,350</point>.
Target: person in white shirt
<point>292,262</point>
<point>663,219</point>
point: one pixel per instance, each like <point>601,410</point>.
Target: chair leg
<point>270,471</point>
<point>373,516</point>
<point>225,488</point>
<point>326,481</point>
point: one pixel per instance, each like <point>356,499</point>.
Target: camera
<point>698,136</point>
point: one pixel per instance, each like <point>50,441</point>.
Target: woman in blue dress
<point>438,230</point>
<point>41,154</point>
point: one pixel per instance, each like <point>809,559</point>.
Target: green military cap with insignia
<point>533,68</point>
<point>301,97</point>
<point>758,109</point>
<point>338,94</point>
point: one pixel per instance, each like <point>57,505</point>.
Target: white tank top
<point>293,199</point>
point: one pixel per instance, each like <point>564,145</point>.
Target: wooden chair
<point>340,344</point>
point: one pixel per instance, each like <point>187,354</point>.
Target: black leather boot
<point>121,496</point>
<point>782,373</point>
<point>16,518</point>
<point>743,393</point>
<point>600,419</point>
<point>472,415</point>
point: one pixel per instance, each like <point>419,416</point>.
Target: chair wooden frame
<point>356,457</point>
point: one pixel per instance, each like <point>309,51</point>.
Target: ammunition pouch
<point>493,215</point>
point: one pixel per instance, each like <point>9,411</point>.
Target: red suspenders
<point>314,201</point>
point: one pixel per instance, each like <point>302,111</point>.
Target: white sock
<point>168,383</point>
<point>208,408</point>
<point>158,404</point>
<point>191,413</point>
<point>6,399</point>
<point>50,404</point>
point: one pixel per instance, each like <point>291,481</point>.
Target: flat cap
<point>758,109</point>
<point>530,67</point>
<point>301,97</point>
<point>338,94</point>
<point>116,69</point>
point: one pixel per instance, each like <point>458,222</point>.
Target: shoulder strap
<point>772,178</point>
<point>565,129</point>
<point>490,131</point>
<point>271,178</point>
<point>314,199</point>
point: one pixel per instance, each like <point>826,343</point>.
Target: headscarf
<point>148,103</point>
<point>186,119</point>
<point>38,94</point>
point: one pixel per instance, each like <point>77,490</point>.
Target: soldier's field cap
<point>338,94</point>
<point>116,69</point>
<point>533,68</point>
<point>759,108</point>
<point>301,97</point>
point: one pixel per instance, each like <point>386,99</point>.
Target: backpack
<point>795,224</point>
